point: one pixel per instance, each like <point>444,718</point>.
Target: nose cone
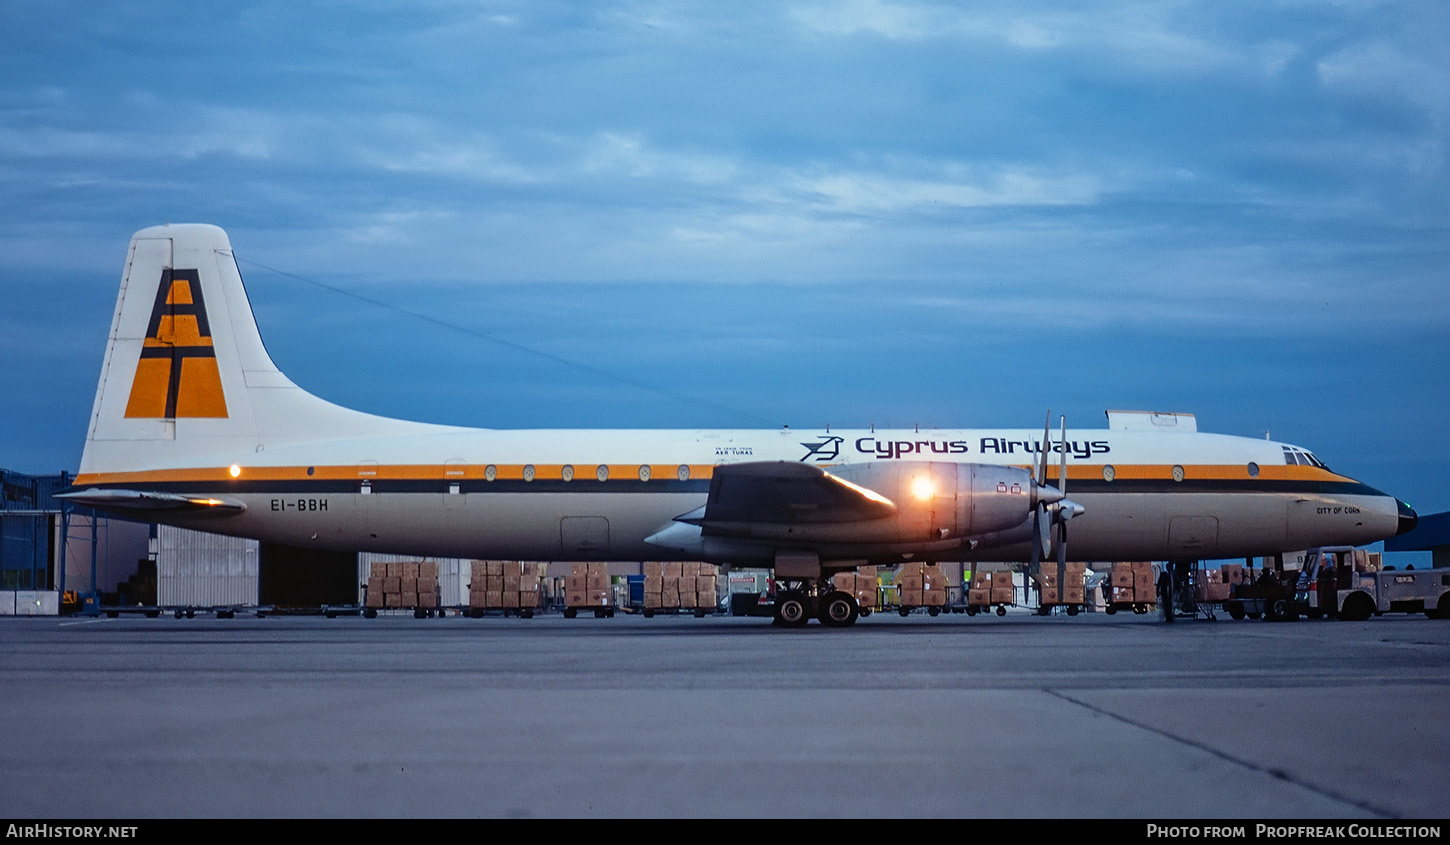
<point>1408,518</point>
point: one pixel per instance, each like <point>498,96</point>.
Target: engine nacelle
<point>940,501</point>
<point>907,504</point>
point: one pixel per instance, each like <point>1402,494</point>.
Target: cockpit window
<point>1293,455</point>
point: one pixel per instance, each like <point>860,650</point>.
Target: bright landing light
<point>235,470</point>
<point>922,488</point>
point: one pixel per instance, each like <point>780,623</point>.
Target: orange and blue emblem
<point>177,375</point>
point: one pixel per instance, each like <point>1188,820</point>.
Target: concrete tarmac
<point>1020,716</point>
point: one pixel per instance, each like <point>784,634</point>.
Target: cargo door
<point>585,536</point>
<point>1193,536</point>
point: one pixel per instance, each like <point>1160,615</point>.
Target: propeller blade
<point>1062,514</point>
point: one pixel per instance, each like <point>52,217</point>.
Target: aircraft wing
<point>780,493</point>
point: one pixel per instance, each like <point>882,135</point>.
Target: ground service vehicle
<point>1271,595</point>
<point>1340,581</point>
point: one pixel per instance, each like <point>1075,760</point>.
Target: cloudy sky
<point>638,214</point>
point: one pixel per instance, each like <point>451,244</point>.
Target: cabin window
<point>490,472</point>
<point>644,472</point>
<point>1253,470</point>
<point>567,473</point>
<point>529,472</point>
<point>1177,473</point>
<point>1109,473</point>
<point>683,473</point>
<point>602,473</point>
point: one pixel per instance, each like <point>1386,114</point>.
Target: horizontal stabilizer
<point>144,502</point>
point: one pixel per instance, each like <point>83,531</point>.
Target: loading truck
<point>1342,582</point>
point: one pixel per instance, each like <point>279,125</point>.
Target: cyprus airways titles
<point>194,425</point>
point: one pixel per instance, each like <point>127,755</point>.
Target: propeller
<point>1052,507</point>
<point>1064,509</point>
<point>1045,497</point>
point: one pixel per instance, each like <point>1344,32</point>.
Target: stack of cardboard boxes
<point>1070,592</point>
<point>1132,583</point>
<point>504,585</point>
<point>681,585</point>
<point>1213,585</point>
<point>989,588</point>
<point>587,586</point>
<point>921,585</point>
<point>860,583</point>
<point>409,584</point>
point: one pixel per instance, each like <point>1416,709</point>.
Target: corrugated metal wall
<point>196,569</point>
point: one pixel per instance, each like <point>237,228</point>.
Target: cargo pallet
<point>1139,607</point>
<point>480,612</point>
<point>226,611</point>
<point>974,609</point>
<point>697,612</point>
<point>1072,609</point>
<point>372,612</point>
<point>931,609</point>
<point>599,612</point>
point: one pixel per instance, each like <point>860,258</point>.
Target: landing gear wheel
<point>790,609</point>
<point>838,609</point>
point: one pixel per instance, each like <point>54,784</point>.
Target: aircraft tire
<point>791,610</point>
<point>838,610</point>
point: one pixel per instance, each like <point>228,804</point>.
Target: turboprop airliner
<point>193,425</point>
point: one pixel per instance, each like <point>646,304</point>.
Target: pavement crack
<point>1273,772</point>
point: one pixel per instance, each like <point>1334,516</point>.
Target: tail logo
<point>177,375</point>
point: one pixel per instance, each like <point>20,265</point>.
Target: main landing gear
<point>800,600</point>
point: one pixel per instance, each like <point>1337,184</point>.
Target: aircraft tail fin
<point>186,380</point>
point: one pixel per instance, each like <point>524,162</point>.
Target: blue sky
<point>851,213</point>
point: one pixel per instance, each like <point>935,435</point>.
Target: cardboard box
<point>979,597</point>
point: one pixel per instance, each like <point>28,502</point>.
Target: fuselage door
<point>584,536</point>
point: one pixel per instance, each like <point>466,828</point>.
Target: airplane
<point>193,425</point>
